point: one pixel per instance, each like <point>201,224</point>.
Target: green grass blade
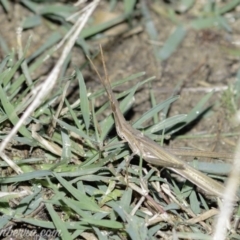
<point>93,30</point>
<point>75,130</point>
<point>84,104</point>
<point>78,195</point>
<point>166,123</point>
<point>172,43</point>
<point>66,150</point>
<point>129,6</point>
<point>25,177</point>
<point>31,22</point>
<point>10,111</point>
<point>150,113</point>
<point>60,225</point>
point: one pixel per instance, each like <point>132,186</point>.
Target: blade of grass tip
<point>21,54</point>
<point>76,233</point>
<point>203,202</point>
<point>95,123</point>
<point>75,146</point>
<point>3,64</point>
<point>60,225</point>
<point>12,58</point>
<point>153,102</point>
<point>93,30</point>
<point>75,130</point>
<point>84,102</point>
<point>110,194</point>
<point>31,22</point>
<point>81,187</point>
<point>66,153</point>
<point>175,91</point>
<point>78,195</point>
<point>172,43</point>
<point>166,124</point>
<point>186,190</point>
<point>51,10</point>
<point>115,205</point>
<point>126,199</point>
<point>194,113</point>
<point>154,110</point>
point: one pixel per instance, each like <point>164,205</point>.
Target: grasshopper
<point>149,150</point>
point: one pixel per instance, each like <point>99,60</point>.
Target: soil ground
<point>199,64</point>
